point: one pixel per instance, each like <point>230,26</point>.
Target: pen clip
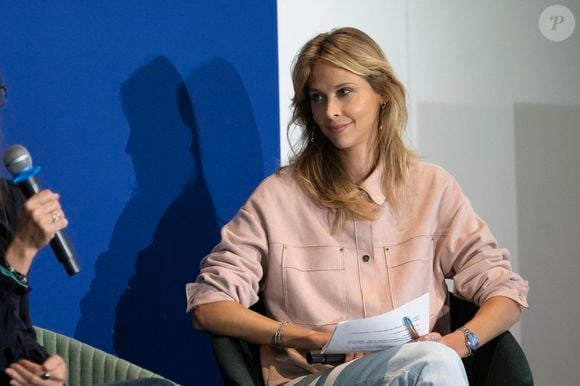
<point>411,328</point>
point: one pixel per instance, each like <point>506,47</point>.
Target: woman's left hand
<point>430,337</point>
<point>53,372</point>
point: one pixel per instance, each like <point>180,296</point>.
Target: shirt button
<point>366,258</point>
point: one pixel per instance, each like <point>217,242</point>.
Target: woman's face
<point>345,107</point>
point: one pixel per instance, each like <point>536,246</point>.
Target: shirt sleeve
<point>469,254</point>
<point>233,269</point>
<point>17,336</point>
<point>11,201</point>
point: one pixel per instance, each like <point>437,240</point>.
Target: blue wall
<point>155,122</point>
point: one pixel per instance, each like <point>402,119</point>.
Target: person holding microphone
<point>26,226</point>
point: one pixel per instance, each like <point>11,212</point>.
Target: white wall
<point>497,104</point>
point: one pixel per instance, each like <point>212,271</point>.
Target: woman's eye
<point>316,98</point>
<point>344,91</point>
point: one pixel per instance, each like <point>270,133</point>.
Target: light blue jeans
<point>420,363</point>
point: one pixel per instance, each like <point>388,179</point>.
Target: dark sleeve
<point>11,202</point>
<point>17,337</point>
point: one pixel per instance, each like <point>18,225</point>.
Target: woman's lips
<point>337,128</point>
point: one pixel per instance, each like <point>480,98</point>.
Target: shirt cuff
<point>517,296</point>
<point>199,293</point>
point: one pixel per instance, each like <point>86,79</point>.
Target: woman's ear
<point>384,99</point>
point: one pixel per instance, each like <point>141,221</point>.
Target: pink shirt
<point>279,247</point>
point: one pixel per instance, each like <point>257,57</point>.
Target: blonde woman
<point>355,226</point>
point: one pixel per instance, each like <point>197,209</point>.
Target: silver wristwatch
<point>471,341</point>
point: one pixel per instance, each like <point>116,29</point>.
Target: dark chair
<point>500,362</point>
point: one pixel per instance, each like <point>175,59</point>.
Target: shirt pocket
<point>314,284</point>
<point>410,267</point>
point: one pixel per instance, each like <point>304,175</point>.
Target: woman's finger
<point>349,356</point>
<point>43,197</point>
<point>25,372</point>
<point>21,374</point>
<point>431,337</point>
<point>53,362</point>
<point>39,211</point>
<point>30,366</point>
<point>56,367</point>
<point>353,355</point>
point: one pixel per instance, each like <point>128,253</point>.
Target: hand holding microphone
<point>42,219</point>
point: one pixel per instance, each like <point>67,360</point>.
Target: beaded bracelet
<point>13,274</point>
<point>277,338</point>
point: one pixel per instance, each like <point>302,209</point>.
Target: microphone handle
<point>60,244</point>
<point>62,249</point>
<point>29,186</point>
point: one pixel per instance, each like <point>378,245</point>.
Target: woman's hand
<point>53,372</point>
<point>455,340</point>
<point>230,318</point>
<point>41,218</point>
<point>350,356</point>
<point>302,338</point>
<point>430,337</point>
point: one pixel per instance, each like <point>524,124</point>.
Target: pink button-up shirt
<point>279,247</point>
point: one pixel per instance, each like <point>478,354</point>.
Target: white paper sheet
<point>381,331</point>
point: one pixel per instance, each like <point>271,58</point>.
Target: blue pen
<point>411,328</point>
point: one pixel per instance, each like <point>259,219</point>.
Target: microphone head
<point>17,159</point>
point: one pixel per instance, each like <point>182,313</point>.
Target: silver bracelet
<point>277,339</point>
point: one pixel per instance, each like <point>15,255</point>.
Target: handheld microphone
<point>19,163</point>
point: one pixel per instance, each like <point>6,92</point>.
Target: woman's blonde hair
<point>316,162</point>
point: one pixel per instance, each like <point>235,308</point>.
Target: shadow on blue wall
<point>171,221</point>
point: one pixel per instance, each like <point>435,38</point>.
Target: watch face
<point>472,341</point>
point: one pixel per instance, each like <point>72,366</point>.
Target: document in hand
<point>379,332</point>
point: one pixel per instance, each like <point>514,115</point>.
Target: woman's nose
<point>332,108</point>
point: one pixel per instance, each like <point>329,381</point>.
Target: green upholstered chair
<point>500,362</point>
<point>88,365</point>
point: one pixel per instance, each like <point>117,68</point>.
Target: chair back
<point>88,365</point>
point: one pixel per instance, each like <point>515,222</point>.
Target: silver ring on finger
<point>45,375</point>
<point>55,215</point>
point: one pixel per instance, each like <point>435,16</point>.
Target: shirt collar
<point>373,186</point>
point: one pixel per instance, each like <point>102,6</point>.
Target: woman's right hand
<point>53,372</point>
<point>230,318</point>
<point>41,218</point>
<point>301,338</point>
